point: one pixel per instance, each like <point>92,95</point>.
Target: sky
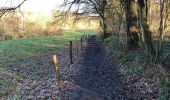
<point>43,6</point>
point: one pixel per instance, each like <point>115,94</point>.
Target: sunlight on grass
<point>12,50</point>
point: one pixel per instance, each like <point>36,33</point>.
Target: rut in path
<point>98,76</point>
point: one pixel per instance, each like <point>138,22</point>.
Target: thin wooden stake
<point>71,53</point>
<point>81,43</point>
<point>57,67</point>
<point>77,47</point>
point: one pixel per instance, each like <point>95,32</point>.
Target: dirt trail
<point>97,76</point>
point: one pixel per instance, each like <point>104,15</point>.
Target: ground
<point>92,76</point>
<point>97,76</point>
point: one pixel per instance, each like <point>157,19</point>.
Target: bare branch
<point>4,10</point>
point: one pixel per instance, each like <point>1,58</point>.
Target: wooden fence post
<point>71,53</point>
<point>77,47</point>
<point>81,43</point>
<point>57,67</point>
<point>86,36</point>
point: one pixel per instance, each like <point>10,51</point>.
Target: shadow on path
<point>98,74</point>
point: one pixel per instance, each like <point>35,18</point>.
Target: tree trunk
<point>146,31</point>
<point>104,28</point>
<point>103,18</point>
<point>164,14</point>
<point>132,29</point>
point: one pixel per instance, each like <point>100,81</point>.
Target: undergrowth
<point>164,83</point>
<point>134,62</point>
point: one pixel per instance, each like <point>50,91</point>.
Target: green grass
<point>12,50</point>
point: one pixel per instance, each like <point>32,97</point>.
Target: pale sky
<point>43,6</point>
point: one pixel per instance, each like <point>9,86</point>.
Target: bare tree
<point>164,15</point>
<point>91,7</point>
<point>143,12</point>
<point>4,10</point>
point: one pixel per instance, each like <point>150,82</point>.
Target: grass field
<point>12,52</point>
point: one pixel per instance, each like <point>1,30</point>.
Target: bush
<point>1,37</point>
<point>6,36</point>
